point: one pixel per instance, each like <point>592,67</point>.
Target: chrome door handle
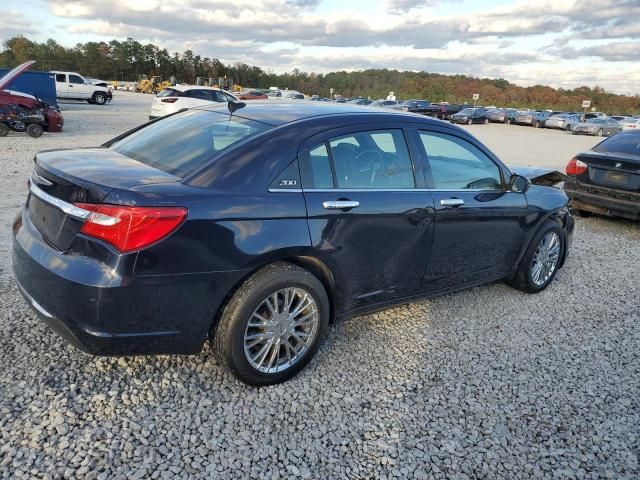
<point>451,202</point>
<point>340,204</point>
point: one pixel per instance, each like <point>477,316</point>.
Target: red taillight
<point>576,167</point>
<point>169,100</point>
<point>131,228</point>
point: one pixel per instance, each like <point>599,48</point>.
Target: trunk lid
<point>62,178</point>
<point>618,170</point>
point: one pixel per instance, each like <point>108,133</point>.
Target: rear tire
<point>261,345</point>
<point>536,270</point>
<point>4,130</point>
<point>34,130</point>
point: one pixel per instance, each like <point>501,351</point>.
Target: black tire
<point>227,339</point>
<point>99,98</point>
<point>583,213</point>
<point>4,130</point>
<point>508,122</point>
<point>600,132</point>
<point>523,280</point>
<point>469,122</point>
<point>34,130</point>
<point>486,121</point>
<point>537,124</point>
<point>567,128</point>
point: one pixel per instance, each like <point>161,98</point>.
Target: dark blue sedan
<point>256,226</point>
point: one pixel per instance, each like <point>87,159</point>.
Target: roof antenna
<point>233,106</point>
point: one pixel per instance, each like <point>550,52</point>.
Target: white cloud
<point>542,41</point>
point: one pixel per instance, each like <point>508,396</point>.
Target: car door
<point>612,127</point>
<point>62,86</point>
<point>479,226</point>
<point>77,87</point>
<point>368,220</point>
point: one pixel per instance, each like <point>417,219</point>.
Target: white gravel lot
<point>487,383</point>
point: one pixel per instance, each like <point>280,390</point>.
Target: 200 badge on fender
<point>255,226</point>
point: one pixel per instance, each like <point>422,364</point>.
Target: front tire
<point>600,132</point>
<point>34,130</point>
<point>486,121</point>
<point>99,98</point>
<point>4,130</point>
<point>541,261</point>
<point>469,122</point>
<point>272,326</point>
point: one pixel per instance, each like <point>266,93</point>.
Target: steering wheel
<point>369,161</point>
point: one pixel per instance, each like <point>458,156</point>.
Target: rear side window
<point>61,77</point>
<point>198,94</point>
<point>364,160</point>
<point>181,144</point>
<point>458,165</point>
<point>622,143</point>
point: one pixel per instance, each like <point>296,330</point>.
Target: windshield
<point>181,144</point>
<point>596,120</point>
<point>466,111</point>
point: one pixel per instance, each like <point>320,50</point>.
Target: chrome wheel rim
<point>545,260</point>
<point>281,330</point>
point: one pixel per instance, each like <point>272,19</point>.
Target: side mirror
<point>519,184</point>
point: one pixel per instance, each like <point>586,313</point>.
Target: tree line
<point>129,60</point>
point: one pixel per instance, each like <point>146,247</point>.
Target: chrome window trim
<point>351,190</point>
<point>68,208</point>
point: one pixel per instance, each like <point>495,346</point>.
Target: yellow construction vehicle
<point>154,85</point>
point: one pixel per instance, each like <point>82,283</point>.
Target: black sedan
<point>471,115</point>
<point>415,106</point>
<point>256,226</point>
<point>606,179</point>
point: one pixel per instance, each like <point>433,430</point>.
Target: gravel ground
<point>487,383</point>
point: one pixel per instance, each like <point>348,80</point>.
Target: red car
<point>252,95</point>
<point>21,112</point>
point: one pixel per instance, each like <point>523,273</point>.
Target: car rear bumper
<point>164,314</point>
<point>583,132</point>
<point>602,200</point>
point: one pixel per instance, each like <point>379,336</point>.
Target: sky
<point>561,43</point>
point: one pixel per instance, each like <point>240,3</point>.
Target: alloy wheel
<point>281,330</point>
<point>545,260</point>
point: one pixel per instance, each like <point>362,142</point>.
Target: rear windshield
<point>627,143</point>
<point>168,92</point>
<point>183,143</point>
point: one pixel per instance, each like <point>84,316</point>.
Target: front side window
<point>458,165</point>
<point>75,79</point>
<point>183,143</point>
<point>365,160</point>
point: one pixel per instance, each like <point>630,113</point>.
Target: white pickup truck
<point>71,85</point>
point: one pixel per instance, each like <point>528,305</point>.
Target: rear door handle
<point>451,202</point>
<point>340,204</point>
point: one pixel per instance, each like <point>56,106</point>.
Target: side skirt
<point>412,298</point>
